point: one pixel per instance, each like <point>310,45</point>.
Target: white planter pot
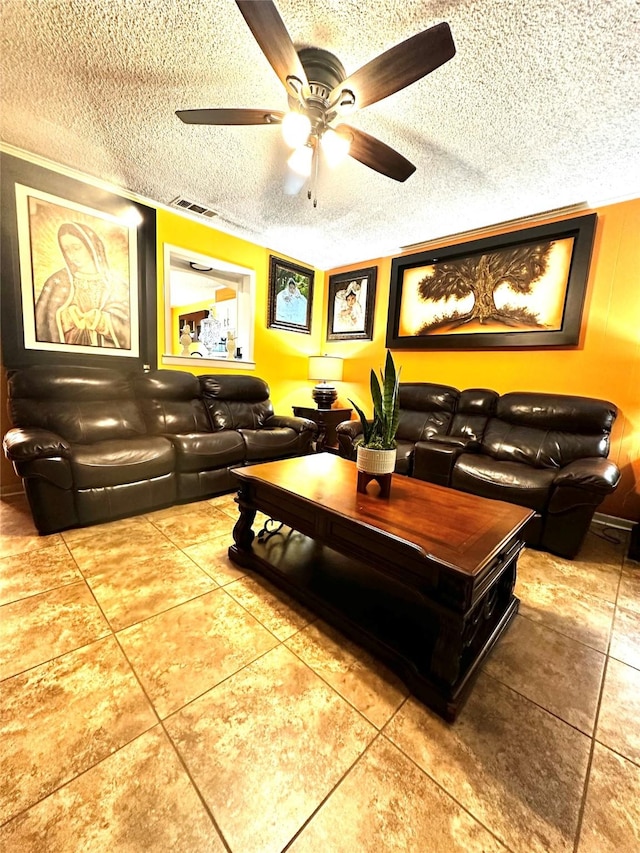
<point>375,461</point>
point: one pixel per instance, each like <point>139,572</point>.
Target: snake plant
<point>380,433</point>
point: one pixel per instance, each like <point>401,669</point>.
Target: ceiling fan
<point>319,93</point>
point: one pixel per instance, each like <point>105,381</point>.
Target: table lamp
<point>325,367</point>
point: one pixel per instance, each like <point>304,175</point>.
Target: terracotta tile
<point>387,803</point>
<point>265,748</point>
<point>619,718</point>
<point>43,626</point>
<point>96,533</point>
<point>133,592</point>
<point>120,545</point>
<point>27,574</point>
<point>187,650</point>
<point>629,590</point>
<point>625,638</point>
<point>18,533</point>
<point>140,798</point>
<point>594,572</point>
<point>516,768</point>
<point>171,511</point>
<point>277,611</point>
<point>212,556</point>
<point>553,671</point>
<point>62,717</point>
<point>631,563</point>
<point>357,676</point>
<point>611,822</point>
<point>202,523</point>
<point>551,599</point>
<point>226,504</point>
<point>599,549</point>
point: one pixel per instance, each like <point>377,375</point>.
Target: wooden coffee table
<point>423,579</point>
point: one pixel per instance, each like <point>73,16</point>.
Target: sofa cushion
<point>561,412</point>
<point>504,481</point>
<point>81,404</point>
<point>111,463</point>
<point>475,407</point>
<point>236,402</point>
<point>170,402</point>
<point>540,448</point>
<point>549,430</point>
<point>206,450</point>
<point>265,444</point>
<point>426,410</point>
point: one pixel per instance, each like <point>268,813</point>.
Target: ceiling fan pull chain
<point>315,166</point>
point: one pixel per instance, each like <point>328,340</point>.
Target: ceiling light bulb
<point>296,128</point>
<point>301,159</point>
<point>335,146</point>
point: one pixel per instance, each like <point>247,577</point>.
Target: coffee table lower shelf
<point>436,651</point>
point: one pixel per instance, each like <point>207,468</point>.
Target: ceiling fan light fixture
<point>296,128</point>
<point>335,146</point>
<point>300,160</point>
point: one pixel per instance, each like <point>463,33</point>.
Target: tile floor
<point>154,697</point>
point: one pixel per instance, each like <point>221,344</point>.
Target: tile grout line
<point>378,733</point>
<point>448,794</point>
<point>325,799</point>
<point>594,741</point>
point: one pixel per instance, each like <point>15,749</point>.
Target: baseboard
<point>11,491</point>
<point>612,521</point>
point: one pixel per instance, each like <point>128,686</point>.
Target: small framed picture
<point>290,296</point>
<point>352,299</point>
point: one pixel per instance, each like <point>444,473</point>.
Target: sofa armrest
<point>346,433</point>
<point>593,474</point>
<point>434,459</point>
<point>300,425</point>
<point>349,429</point>
<point>24,445</point>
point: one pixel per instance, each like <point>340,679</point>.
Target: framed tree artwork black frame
<point>522,289</point>
<point>290,296</point>
<point>352,297</point>
<point>78,272</point>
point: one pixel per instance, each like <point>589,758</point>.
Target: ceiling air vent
<point>193,207</point>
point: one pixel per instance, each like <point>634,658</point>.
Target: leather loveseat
<point>94,444</point>
<point>543,451</point>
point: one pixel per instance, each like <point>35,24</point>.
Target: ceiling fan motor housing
<point>324,72</point>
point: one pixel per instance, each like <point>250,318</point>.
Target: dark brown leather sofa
<point>94,444</point>
<point>543,451</point>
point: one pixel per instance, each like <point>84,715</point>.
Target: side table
<point>327,420</point>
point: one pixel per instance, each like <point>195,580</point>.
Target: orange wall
<point>605,363</point>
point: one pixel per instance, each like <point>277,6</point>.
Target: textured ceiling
<point>539,109</point>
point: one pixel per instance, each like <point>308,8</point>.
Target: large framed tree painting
<point>523,289</point>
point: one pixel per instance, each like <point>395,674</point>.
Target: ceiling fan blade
<point>264,21</point>
<point>399,66</point>
<point>230,116</point>
<point>376,155</point>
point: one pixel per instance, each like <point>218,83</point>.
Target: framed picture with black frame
<point>522,289</point>
<point>78,272</point>
<point>352,297</point>
<point>290,296</point>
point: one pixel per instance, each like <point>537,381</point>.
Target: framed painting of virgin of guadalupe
<point>78,271</point>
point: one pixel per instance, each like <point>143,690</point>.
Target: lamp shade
<point>325,367</point>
